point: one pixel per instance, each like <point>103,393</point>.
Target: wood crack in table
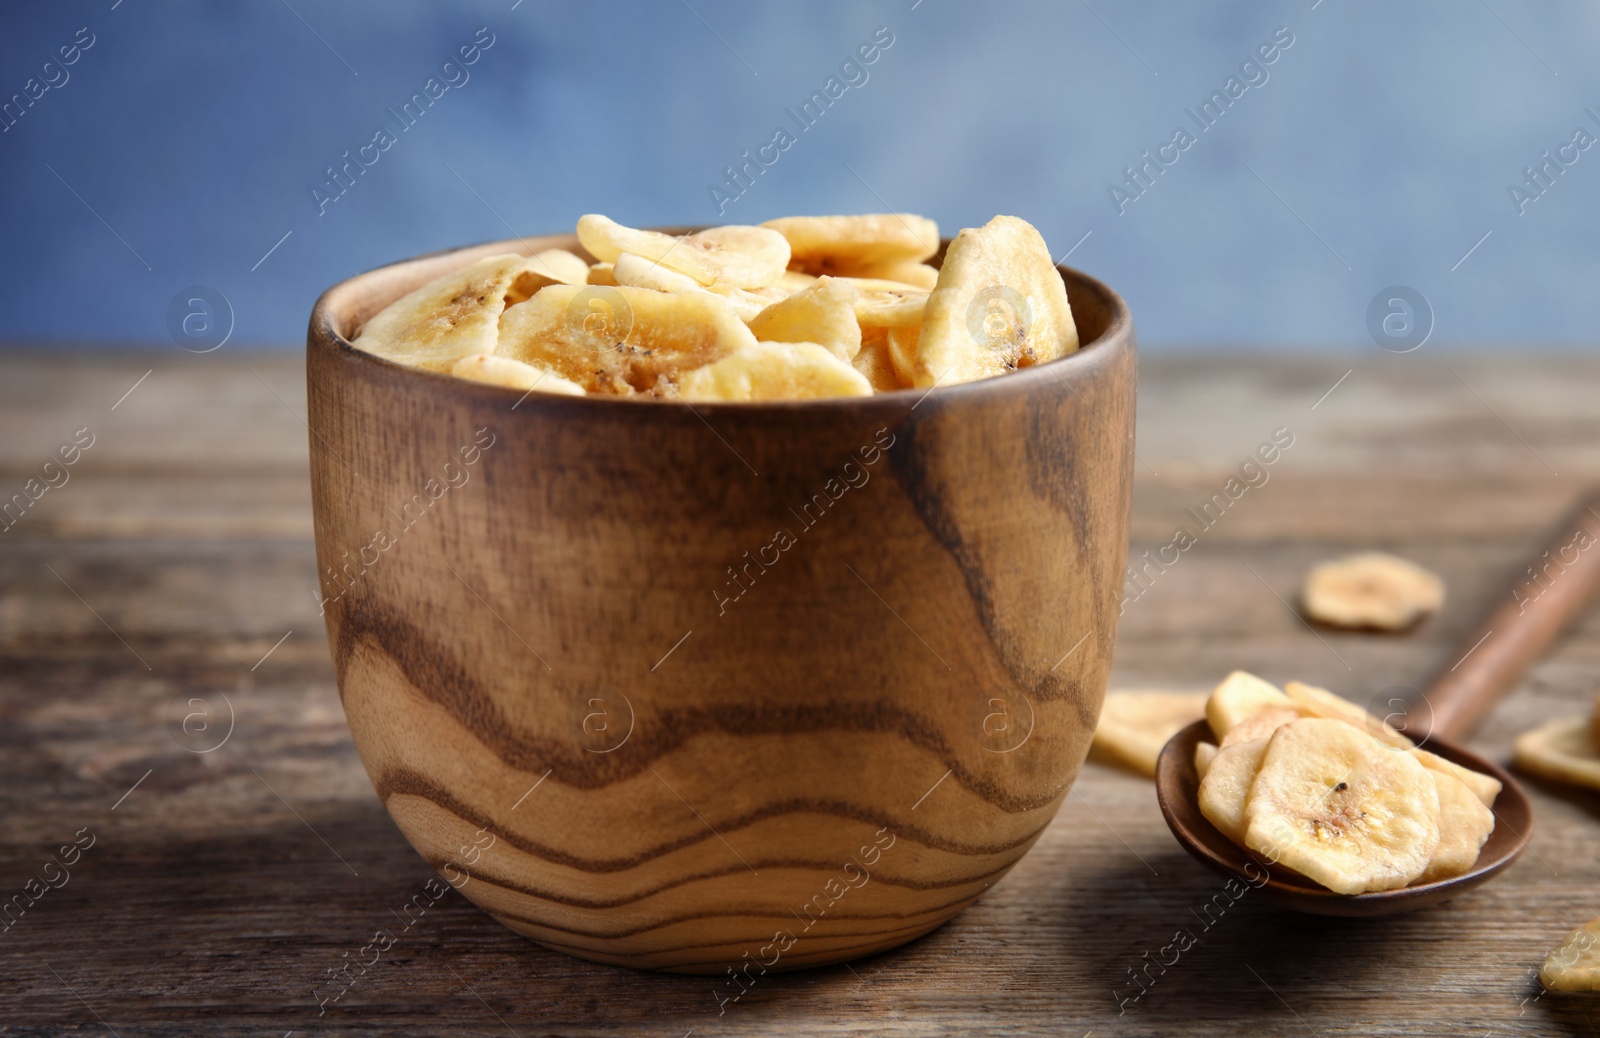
<point>199,851</point>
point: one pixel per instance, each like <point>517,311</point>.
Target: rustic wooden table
<point>158,603</point>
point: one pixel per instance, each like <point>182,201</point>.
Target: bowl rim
<point>323,334</point>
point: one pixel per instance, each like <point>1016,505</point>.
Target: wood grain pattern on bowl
<point>691,689</point>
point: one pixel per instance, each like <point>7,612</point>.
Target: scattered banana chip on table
<point>1563,750</point>
<point>1135,725</point>
<point>644,310</point>
<point>1313,783</point>
<point>1371,590</point>
<point>1575,965</point>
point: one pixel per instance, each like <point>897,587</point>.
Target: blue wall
<point>1375,150</point>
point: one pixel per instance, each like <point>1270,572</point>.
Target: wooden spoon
<point>1489,662</point>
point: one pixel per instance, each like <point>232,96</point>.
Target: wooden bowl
<point>736,686</point>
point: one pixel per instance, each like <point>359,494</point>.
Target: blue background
<point>1377,153</point>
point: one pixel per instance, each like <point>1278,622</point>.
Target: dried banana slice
<point>450,317</point>
<point>1225,789</point>
<point>634,271</point>
<point>1319,702</point>
<point>887,304</point>
<point>1337,806</point>
<point>638,272</point>
<point>1575,966</point>
<point>903,351</point>
<point>795,280</point>
<point>774,371</point>
<point>1484,787</point>
<point>543,269</point>
<point>834,244</point>
<point>1135,725</point>
<point>737,256</point>
<point>621,340</point>
<point>1240,696</point>
<point>603,274</point>
<point>740,256</point>
<point>606,239</point>
<point>822,313</point>
<point>1371,590</point>
<point>1262,725</point>
<point>525,284</point>
<point>874,362</point>
<point>1000,304</point>
<point>1561,750</point>
<point>1204,754</point>
<point>559,265</point>
<point>748,302</point>
<point>906,272</point>
<point>1464,825</point>
<point>513,374</point>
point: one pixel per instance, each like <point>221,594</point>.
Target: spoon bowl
<point>1178,788</point>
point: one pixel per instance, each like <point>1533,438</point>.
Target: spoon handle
<point>1544,598</point>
